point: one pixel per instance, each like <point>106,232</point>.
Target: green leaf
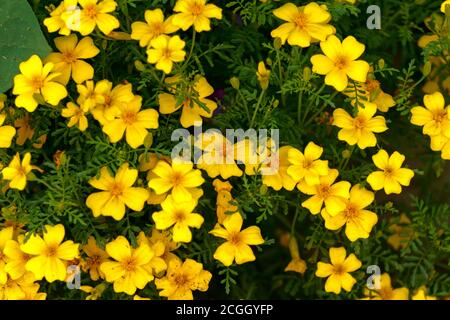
<point>21,37</point>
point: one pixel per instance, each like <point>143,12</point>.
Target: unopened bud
<point>426,69</point>
<point>148,141</point>
<point>307,73</point>
<point>346,154</point>
<point>139,65</point>
<point>235,83</point>
<point>277,43</point>
<point>381,63</point>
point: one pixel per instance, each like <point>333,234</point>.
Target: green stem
<point>191,51</point>
<point>245,104</point>
<point>299,107</point>
<point>258,104</point>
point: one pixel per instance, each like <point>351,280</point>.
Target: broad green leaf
<point>20,38</point>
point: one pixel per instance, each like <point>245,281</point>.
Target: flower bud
<point>235,83</point>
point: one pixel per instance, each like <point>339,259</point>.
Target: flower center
<point>167,53</point>
<point>307,164</point>
<point>439,116</point>
<point>129,117</point>
<point>129,265</point>
<point>372,85</point>
<point>196,9</point>
<point>94,260</point>
<point>360,122</point>
<point>108,100</point>
<point>388,171</point>
<point>351,212</point>
<point>385,293</point>
<point>181,280</point>
<point>69,57</point>
<point>339,269</point>
<point>341,62</point>
<point>157,29</point>
<point>301,20</point>
<point>177,178</point>
<point>116,190</point>
<point>51,251</point>
<point>323,191</point>
<point>235,238</point>
<point>179,216</point>
<point>91,11</point>
<point>37,82</point>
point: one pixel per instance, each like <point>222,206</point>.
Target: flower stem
<point>258,104</point>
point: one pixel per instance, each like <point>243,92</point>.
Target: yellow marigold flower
<point>76,115</point>
<point>16,289</point>
<point>6,235</point>
<point>225,201</point>
<point>297,264</point>
<point>237,246</point>
<point>132,122</point>
<point>435,117</point>
<point>164,237</point>
<point>17,171</point>
<point>95,13</point>
<point>217,156</point>
<point>32,292</point>
<point>304,24</point>
<point>339,62</point>
<point>338,271</point>
<point>50,254</point>
<point>195,13</point>
<point>386,292</point>
<point>117,192</point>
<point>16,258</point>
<point>192,112</point>
<point>392,176</point>
<point>357,220</point>
<point>177,177</point>
<point>183,278</point>
<point>281,179</point>
<point>157,264</point>
<point>127,272</point>
<point>153,27</point>
<point>402,233</point>
<point>36,78</point>
<point>94,293</point>
<point>25,131</point>
<point>166,50</point>
<point>55,22</point>
<point>95,257</point>
<point>307,166</point>
<point>69,61</point>
<point>444,5</point>
<point>136,297</point>
<point>333,195</point>
<point>359,130</point>
<point>179,215</point>
<point>7,133</point>
<point>92,95</point>
<point>421,293</point>
<point>253,154</point>
<point>263,75</point>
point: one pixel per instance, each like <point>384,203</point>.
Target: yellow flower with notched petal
<point>444,5</point>
<point>17,259</point>
<point>166,50</point>
<point>36,78</point>
<point>92,95</point>
<point>117,192</point>
<point>304,25</point>
<point>281,178</point>
<point>95,257</point>
<point>76,115</point>
<point>307,166</point>
<point>225,202</point>
<point>69,61</point>
<point>386,292</point>
<point>157,264</point>
<point>25,131</point>
<point>357,220</point>
<point>263,75</point>
<point>297,264</point>
<point>177,177</point>
<point>435,117</point>
<point>180,216</point>
<point>421,294</point>
<point>338,271</point>
<point>50,254</point>
<point>7,133</point>
<point>359,130</point>
<point>237,246</point>
<point>128,271</point>
<point>153,27</point>
<point>392,176</point>
<point>17,171</point>
<point>132,122</point>
<point>195,13</point>
<point>339,62</point>
<point>333,195</point>
<point>56,22</point>
<point>95,13</point>
<point>6,235</point>
<point>192,112</point>
<point>183,278</point>
<point>31,292</point>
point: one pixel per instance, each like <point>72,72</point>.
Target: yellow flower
<point>307,166</point>
<point>94,293</point>
<point>225,202</point>
<point>392,176</point>
<point>31,292</point>
<point>95,257</point>
<point>76,115</point>
<point>180,216</point>
<point>183,278</point>
<point>196,13</point>
<point>339,62</point>
<point>7,133</point>
<point>133,122</point>
<point>154,26</point>
<point>386,292</point>
<point>402,233</point>
<point>25,131</point>
<point>17,259</point>
<point>421,294</point>
<point>165,237</point>
<point>338,271</point>
<point>435,117</point>
<point>297,264</point>
<point>359,130</point>
<point>50,254</point>
<point>36,78</point>
<point>136,297</point>
<point>281,178</point>
<point>166,50</point>
<point>263,75</point>
<point>16,289</point>
<point>333,195</point>
<point>2,101</point>
<point>444,5</point>
<point>6,235</point>
<point>117,192</point>
<point>237,246</point>
<point>56,22</point>
<point>304,25</point>
<point>158,263</point>
<point>17,171</point>
<point>192,111</point>
<point>95,13</point>
<point>177,177</point>
<point>69,61</point>
<point>92,95</point>
<point>357,220</point>
<point>127,272</point>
